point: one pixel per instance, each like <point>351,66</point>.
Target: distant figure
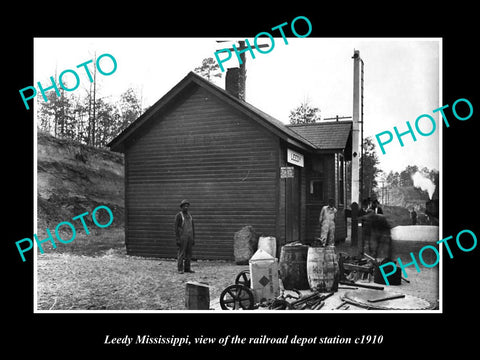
<point>414,217</point>
<point>185,237</point>
<point>432,211</point>
<point>376,207</point>
<point>365,228</point>
<point>376,238</point>
<point>327,223</point>
<point>378,242</point>
<point>365,207</point>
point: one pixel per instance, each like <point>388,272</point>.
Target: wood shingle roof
<point>325,135</point>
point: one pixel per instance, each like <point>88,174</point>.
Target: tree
<point>56,114</point>
<point>406,175</point>
<point>434,175</point>
<point>304,114</point>
<point>86,110</point>
<point>208,69</point>
<point>368,167</point>
<point>87,117</point>
<point>393,179</point>
<point>129,108</point>
<point>92,105</point>
<point>80,120</point>
<point>107,117</point>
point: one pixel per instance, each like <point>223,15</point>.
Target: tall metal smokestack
<point>357,113</point>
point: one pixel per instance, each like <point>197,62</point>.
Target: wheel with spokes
<point>243,278</point>
<point>236,297</point>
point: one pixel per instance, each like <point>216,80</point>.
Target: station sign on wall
<point>286,172</point>
<point>294,158</point>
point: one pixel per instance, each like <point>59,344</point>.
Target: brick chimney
<point>235,82</point>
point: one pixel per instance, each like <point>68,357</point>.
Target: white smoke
<point>423,183</point>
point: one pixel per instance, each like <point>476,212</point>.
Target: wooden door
<point>292,207</point>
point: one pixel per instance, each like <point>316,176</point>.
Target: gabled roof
<point>325,135</point>
<point>274,125</point>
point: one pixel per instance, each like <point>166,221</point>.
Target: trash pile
<point>313,301</point>
<point>353,268</point>
<point>304,277</point>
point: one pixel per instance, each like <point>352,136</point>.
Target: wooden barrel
<point>322,268</point>
<point>197,296</point>
<point>293,267</point>
<point>268,244</point>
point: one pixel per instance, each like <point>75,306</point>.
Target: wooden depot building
<point>237,166</point>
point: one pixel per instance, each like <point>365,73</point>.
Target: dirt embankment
<point>401,201</point>
<point>408,197</point>
<point>73,179</point>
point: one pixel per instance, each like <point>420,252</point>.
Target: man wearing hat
<point>185,237</point>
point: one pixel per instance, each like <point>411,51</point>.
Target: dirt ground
<point>423,284</point>
<point>111,280</point>
<point>116,281</point>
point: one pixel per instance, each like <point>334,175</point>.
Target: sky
<point>401,79</point>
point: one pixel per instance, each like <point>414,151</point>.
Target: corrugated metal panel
<point>202,150</point>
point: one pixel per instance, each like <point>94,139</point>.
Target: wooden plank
<point>348,266</point>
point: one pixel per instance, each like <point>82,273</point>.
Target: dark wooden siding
<point>203,150</point>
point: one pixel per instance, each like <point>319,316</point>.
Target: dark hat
<point>184,202</point>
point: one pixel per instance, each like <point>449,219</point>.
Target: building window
<point>316,190</point>
<point>317,185</point>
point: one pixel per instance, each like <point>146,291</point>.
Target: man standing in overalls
<point>327,223</point>
<point>185,236</point>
